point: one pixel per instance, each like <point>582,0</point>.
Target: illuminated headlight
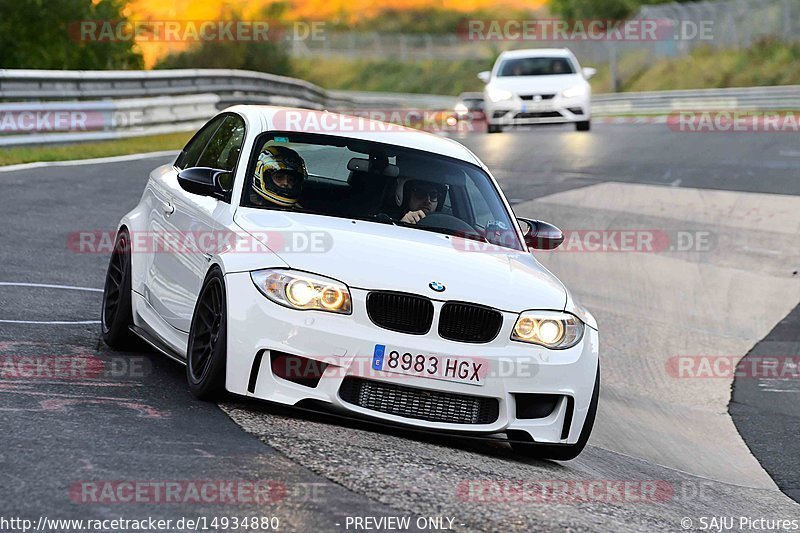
<point>300,290</point>
<point>498,95</point>
<point>548,328</point>
<point>572,92</point>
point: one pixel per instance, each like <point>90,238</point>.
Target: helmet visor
<point>286,180</point>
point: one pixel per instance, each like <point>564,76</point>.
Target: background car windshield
<point>535,66</point>
<point>352,178</point>
<point>473,104</point>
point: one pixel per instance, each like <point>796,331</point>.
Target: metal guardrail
<point>233,86</point>
<point>67,106</point>
<point>786,98</point>
<point>52,106</point>
<point>28,123</point>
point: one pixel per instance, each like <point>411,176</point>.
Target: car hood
<point>537,84</point>
<point>373,256</point>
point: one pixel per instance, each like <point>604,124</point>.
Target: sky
<point>162,10</point>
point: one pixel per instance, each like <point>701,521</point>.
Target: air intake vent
<point>420,404</point>
<point>401,312</point>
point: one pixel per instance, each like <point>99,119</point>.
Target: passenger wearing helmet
<point>418,198</point>
<point>278,178</point>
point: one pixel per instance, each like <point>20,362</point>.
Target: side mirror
<point>541,235</point>
<point>484,76</point>
<point>589,72</point>
<point>206,181</point>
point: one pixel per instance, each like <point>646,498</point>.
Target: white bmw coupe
<point>304,257</point>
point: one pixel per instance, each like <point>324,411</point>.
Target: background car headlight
<point>572,92</point>
<point>300,290</point>
<point>498,95</point>
<point>548,328</point>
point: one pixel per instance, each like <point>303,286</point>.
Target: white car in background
<point>537,87</point>
<point>447,322</point>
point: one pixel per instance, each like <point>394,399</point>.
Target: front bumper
<point>346,343</point>
<point>517,112</point>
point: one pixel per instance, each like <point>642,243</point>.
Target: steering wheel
<point>448,222</point>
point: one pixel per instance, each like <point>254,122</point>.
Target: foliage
<point>260,56</point>
<point>44,34</point>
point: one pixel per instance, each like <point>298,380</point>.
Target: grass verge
<point>88,150</point>
<point>766,63</point>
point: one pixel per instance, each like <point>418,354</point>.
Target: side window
<point>482,212</point>
<point>223,150</point>
<point>191,152</point>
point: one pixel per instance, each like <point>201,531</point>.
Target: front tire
<point>116,315</point>
<point>494,128</point>
<point>583,125</point>
<point>564,452</point>
<point>207,350</point>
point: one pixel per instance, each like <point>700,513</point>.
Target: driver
<point>418,198</point>
<point>278,178</point>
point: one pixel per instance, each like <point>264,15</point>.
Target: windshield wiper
<point>448,231</point>
<point>386,219</point>
<point>381,218</point>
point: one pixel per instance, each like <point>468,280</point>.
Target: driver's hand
<point>412,217</point>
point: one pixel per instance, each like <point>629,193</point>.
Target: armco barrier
<point>129,103</point>
<point>664,102</point>
<point>163,100</point>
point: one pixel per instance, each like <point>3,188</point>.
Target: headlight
<point>300,290</point>
<point>498,95</point>
<point>548,328</point>
<point>572,92</point>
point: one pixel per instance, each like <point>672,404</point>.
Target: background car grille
<point>531,96</point>
<point>400,312</point>
<point>419,404</point>
<point>540,114</point>
<point>469,323</point>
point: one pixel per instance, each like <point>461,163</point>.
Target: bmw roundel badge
<point>436,286</point>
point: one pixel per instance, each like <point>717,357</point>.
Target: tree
<point>261,56</point>
<point>594,9</point>
<point>601,9</point>
<point>248,55</point>
<point>43,34</point>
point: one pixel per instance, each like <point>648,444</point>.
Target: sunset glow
<point>334,10</point>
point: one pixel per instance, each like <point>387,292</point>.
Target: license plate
<point>537,106</point>
<point>469,370</point>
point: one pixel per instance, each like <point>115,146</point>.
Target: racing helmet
<point>279,175</point>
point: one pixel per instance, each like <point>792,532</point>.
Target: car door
<point>179,267</point>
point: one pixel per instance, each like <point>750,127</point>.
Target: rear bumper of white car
<point>515,112</point>
<point>260,331</point>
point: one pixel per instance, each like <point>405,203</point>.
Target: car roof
<point>273,118</point>
<point>537,52</point>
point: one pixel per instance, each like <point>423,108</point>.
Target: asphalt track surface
<point>131,418</point>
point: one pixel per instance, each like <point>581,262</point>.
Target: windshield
<point>535,66</point>
<point>473,104</point>
<point>352,178</point>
